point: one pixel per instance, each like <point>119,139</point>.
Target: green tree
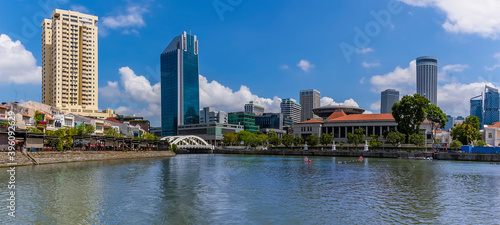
<point>112,132</point>
<point>467,132</point>
<point>480,143</point>
<point>395,138</point>
<point>410,112</point>
<point>244,136</point>
<point>356,137</point>
<point>312,140</point>
<point>262,138</point>
<point>274,139</point>
<point>326,139</point>
<point>374,141</point>
<point>417,139</point>
<point>287,140</point>
<point>174,147</point>
<point>149,136</point>
<point>298,141</point>
<point>33,129</point>
<point>89,130</point>
<point>229,138</point>
<point>38,117</point>
<point>436,117</point>
<point>455,144</point>
<point>473,121</point>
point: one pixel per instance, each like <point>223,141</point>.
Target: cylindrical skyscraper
<point>427,67</point>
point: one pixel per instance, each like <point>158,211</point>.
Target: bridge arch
<point>188,142</point>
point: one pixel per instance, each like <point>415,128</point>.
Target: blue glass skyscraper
<point>491,105</point>
<point>180,95</point>
<point>476,109</point>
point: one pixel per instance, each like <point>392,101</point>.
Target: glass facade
<point>491,106</point>
<point>476,109</point>
<point>270,120</point>
<point>180,97</point>
<point>245,119</point>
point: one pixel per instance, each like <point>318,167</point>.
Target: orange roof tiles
<point>49,118</point>
<point>360,117</point>
<point>113,120</point>
<point>336,114</point>
<point>496,124</point>
<point>312,121</point>
<point>2,107</point>
<point>26,115</point>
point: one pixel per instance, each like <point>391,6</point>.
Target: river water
<point>235,189</point>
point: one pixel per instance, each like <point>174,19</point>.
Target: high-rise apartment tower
<point>69,61</point>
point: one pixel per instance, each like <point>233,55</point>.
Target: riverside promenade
<point>48,157</point>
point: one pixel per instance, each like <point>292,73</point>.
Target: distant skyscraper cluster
<point>427,67</point>
<point>486,107</point>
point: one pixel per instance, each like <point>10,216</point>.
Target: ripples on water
<point>229,189</point>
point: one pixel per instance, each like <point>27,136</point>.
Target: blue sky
<point>268,50</point>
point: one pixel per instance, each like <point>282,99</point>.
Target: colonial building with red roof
<point>339,124</point>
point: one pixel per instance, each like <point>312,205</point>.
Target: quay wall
<point>33,158</point>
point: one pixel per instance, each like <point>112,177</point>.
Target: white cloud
<point>464,16</point>
<point>305,65</point>
<point>362,80</point>
<point>401,79</point>
<point>364,50</point>
<point>375,105</point>
<point>138,87</point>
<point>367,112</point>
<point>327,101</point>
<point>442,76</point>
<point>79,8</point>
<point>132,18</point>
<point>370,65</point>
<point>497,56</point>
<point>454,98</point>
<point>134,94</point>
<point>17,65</point>
<point>224,98</point>
<point>284,67</point>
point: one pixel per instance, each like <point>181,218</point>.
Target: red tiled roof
<point>360,117</point>
<point>496,124</point>
<point>113,120</point>
<point>49,118</point>
<point>312,121</point>
<point>336,114</point>
<point>2,107</point>
<point>26,115</point>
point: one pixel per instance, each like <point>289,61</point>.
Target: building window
<point>490,135</point>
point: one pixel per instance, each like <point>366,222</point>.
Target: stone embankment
<point>33,158</point>
<point>370,154</point>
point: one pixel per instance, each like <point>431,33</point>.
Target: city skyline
<point>233,71</point>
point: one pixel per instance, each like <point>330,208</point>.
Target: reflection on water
<point>215,189</point>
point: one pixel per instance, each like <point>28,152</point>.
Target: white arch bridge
<point>188,142</point>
